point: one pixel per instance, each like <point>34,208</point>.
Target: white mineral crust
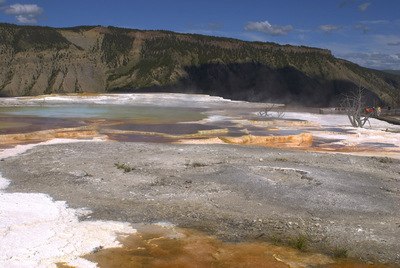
<point>36,231</point>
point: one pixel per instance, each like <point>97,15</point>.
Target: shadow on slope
<point>261,83</point>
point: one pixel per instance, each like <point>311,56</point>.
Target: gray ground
<point>237,193</point>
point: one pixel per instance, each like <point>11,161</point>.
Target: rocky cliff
<point>42,60</point>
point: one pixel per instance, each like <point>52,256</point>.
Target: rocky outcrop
<point>35,71</point>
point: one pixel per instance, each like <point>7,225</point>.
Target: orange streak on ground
<point>160,247</point>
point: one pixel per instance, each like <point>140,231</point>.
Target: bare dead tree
<point>353,104</point>
<point>266,112</point>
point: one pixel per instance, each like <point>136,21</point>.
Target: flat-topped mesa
<point>38,60</point>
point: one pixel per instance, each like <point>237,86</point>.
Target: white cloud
<point>362,27</point>
<point>375,60</point>
<point>366,29</point>
<point>266,28</point>
<point>372,51</point>
<point>26,19</point>
<point>25,14</point>
<point>375,22</point>
<point>364,6</point>
<point>18,9</point>
<point>215,25</point>
<point>387,43</point>
<point>329,28</point>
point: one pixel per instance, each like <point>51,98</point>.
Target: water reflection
<point>87,121</point>
<point>137,113</point>
<point>172,129</point>
<point>24,124</point>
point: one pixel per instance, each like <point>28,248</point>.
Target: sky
<point>366,32</point>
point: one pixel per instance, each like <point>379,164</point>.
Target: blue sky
<point>366,32</point>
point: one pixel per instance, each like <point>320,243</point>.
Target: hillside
<point>41,60</point>
<point>396,72</point>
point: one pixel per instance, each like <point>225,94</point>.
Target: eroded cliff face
<point>71,69</point>
<point>43,60</point>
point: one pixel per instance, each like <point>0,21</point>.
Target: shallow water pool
<point>140,113</point>
<point>73,119</point>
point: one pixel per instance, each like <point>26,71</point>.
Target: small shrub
<point>276,238</point>
<point>386,160</point>
<point>197,164</point>
<point>87,174</point>
<point>300,243</point>
<point>158,182</point>
<point>340,252</point>
<point>281,159</point>
<point>124,167</point>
